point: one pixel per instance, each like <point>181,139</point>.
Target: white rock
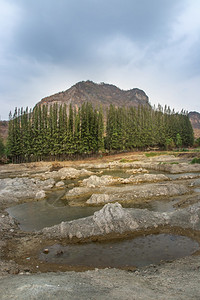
<point>60,184</point>
<point>40,195</point>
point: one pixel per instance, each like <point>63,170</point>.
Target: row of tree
<point>61,131</point>
<point>144,127</point>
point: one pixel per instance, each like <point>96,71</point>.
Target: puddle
<point>37,215</point>
<point>177,176</point>
<point>45,213</point>
<point>155,205</point>
<point>53,210</point>
<point>137,252</point>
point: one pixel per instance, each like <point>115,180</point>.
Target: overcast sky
<point>46,46</point>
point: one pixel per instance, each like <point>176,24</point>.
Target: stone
<point>135,171</point>
<point>40,195</point>
<point>114,219</point>
<point>59,184</point>
<point>64,173</point>
<point>133,193</point>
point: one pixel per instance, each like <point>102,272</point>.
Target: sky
<point>46,46</point>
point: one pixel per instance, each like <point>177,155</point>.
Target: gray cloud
<point>48,45</point>
<point>62,31</point>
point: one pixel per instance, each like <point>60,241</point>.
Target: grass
<point>124,160</point>
<point>195,161</point>
<point>152,154</point>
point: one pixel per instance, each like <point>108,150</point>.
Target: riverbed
<point>26,249</point>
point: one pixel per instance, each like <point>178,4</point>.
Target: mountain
<point>97,94</point>
<point>195,121</point>
<point>4,130</point>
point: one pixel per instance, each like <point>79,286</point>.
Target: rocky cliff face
<point>4,130</point>
<point>98,94</point>
<point>195,121</point>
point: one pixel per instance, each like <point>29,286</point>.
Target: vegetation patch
<point>152,154</point>
<point>195,161</point>
<point>124,160</point>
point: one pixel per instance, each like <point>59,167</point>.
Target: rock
<point>96,181</point>
<point>166,163</point>
<point>172,167</point>
<point>190,176</point>
<point>196,182</point>
<point>98,199</point>
<point>113,219</point>
<point>135,171</point>
<point>106,180</point>
<point>6,223</point>
<point>145,178</point>
<point>60,184</point>
<point>78,192</point>
<point>64,173</point>
<point>40,195</point>
<point>18,189</point>
<point>135,193</point>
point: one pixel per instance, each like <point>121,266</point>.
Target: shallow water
<point>136,252</point>
<point>45,213</point>
<point>37,215</point>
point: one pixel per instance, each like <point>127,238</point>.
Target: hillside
<point>101,95</point>
<point>195,121</point>
<point>4,130</point>
<point>98,94</point>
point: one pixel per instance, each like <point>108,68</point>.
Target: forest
<point>61,132</point>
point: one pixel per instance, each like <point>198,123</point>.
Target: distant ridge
<point>98,94</point>
<point>195,121</point>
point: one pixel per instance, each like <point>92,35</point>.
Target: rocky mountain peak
<point>99,94</point>
<point>195,121</point>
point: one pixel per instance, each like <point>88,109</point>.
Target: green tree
<point>178,140</point>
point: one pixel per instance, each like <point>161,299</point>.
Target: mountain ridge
<point>195,121</point>
<point>99,94</point>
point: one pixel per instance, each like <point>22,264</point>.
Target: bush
<point>195,161</point>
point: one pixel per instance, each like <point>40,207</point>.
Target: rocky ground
<point>23,276</point>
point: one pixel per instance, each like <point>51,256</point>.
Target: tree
<point>178,140</point>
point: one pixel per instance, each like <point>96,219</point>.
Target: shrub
<point>195,161</point>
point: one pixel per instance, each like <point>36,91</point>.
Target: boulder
<point>113,219</point>
<point>18,189</point>
<point>60,184</point>
<point>96,181</point>
<point>145,178</point>
<point>136,171</point>
<point>40,195</point>
<point>78,192</point>
<point>135,193</point>
<point>64,173</point>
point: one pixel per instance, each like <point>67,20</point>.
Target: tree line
<point>61,132</point>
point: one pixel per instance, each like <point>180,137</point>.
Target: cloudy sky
<point>46,46</point>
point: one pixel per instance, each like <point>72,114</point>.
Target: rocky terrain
<point>4,130</point>
<point>195,121</point>
<point>136,180</point>
<point>99,95</point>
